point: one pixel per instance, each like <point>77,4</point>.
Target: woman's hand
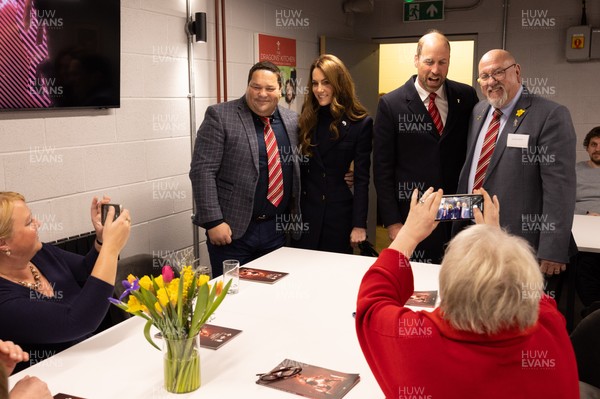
<point>30,387</point>
<point>357,235</point>
<point>10,355</point>
<point>96,214</point>
<point>491,209</point>
<point>116,232</point>
<point>420,221</point>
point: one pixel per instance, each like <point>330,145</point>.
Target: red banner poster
<point>280,51</point>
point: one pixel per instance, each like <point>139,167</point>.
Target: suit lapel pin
<point>478,117</point>
<point>518,114</point>
<point>458,100</point>
<point>344,123</point>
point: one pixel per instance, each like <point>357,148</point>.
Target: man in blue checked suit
<point>241,194</point>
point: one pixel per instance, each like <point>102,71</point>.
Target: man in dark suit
<point>526,158</point>
<point>413,149</point>
<point>457,210</point>
<point>239,192</point>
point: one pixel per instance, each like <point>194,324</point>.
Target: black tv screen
<point>59,54</point>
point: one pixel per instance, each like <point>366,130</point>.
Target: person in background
<point>335,132</point>
<point>588,203</point>
<point>522,149</point>
<point>244,172</point>
<point>496,335</point>
<point>588,176</point>
<point>420,140</point>
<point>290,92</point>
<point>52,298</point>
<point>27,387</point>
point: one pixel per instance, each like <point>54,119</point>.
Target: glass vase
<point>182,364</point>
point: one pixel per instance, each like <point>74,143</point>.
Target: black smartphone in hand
<point>106,207</point>
<point>456,207</point>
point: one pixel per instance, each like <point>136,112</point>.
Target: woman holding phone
<point>50,298</point>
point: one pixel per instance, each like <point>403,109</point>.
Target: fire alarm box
<point>578,43</point>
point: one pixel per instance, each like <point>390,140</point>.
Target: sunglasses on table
<point>279,374</point>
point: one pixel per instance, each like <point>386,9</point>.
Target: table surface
<point>586,232</point>
<point>306,316</point>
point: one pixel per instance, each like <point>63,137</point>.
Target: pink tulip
<point>167,274</point>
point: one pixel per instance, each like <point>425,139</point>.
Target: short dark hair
<point>595,132</point>
<point>267,66</point>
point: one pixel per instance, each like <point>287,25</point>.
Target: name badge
<point>517,140</point>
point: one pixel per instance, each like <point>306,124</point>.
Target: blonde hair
<point>489,281</point>
<point>344,101</point>
<point>7,200</point>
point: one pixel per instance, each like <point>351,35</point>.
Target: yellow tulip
<point>159,281</point>
<point>203,279</point>
<point>146,283</point>
<point>133,305</point>
<point>162,296</point>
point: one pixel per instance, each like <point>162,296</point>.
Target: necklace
<point>36,278</point>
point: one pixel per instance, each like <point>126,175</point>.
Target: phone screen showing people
<point>459,207</point>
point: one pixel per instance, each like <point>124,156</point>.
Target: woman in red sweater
<point>495,334</point>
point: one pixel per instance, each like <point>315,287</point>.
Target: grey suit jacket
<point>224,170</point>
<point>535,185</point>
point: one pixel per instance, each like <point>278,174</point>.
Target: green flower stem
<point>182,364</point>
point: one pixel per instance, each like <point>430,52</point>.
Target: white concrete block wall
<point>139,154</point>
<point>540,51</point>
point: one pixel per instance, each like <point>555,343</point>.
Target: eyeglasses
<point>279,374</point>
<point>497,75</point>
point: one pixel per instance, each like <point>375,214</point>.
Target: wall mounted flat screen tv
<point>59,54</point>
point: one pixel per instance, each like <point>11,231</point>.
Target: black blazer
<point>408,151</point>
<point>324,193</point>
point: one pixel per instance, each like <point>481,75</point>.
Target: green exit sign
<point>415,11</point>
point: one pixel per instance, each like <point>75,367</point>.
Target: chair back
<point>587,349</point>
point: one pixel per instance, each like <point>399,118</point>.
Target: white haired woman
<point>495,334</point>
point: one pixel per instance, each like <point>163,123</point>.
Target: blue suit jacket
<point>326,198</point>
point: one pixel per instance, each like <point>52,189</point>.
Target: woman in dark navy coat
<point>335,131</point>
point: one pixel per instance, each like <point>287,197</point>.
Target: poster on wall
<point>281,51</point>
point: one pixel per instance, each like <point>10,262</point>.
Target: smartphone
<point>106,207</point>
<point>459,207</point>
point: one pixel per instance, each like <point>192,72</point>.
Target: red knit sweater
<point>418,355</point>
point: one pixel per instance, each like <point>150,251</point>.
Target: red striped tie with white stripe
<point>435,114</point>
<point>275,190</point>
<point>487,149</point>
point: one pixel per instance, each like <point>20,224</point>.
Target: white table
<point>586,232</point>
<point>306,316</point>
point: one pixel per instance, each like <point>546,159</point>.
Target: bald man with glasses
<point>521,147</point>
